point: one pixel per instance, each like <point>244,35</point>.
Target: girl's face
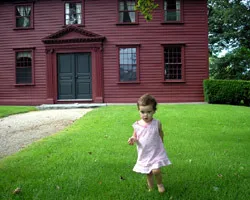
<point>146,113</point>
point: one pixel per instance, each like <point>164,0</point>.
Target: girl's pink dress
<point>151,152</point>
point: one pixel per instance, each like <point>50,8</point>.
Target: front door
<point>74,76</point>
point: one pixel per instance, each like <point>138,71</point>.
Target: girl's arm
<point>161,131</point>
<point>132,139</point>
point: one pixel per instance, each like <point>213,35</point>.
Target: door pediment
<point>72,34</point>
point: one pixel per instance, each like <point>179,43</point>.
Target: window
<point>24,16</point>
<point>128,64</point>
<point>127,12</point>
<point>173,63</point>
<point>172,10</point>
<point>73,13</point>
<point>24,67</point>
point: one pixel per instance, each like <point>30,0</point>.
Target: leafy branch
<point>146,7</point>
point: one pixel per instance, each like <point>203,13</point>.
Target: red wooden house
<point>101,51</point>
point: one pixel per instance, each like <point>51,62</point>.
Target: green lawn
<point>10,110</point>
<point>209,146</point>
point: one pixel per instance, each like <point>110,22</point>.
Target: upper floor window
<point>128,64</point>
<point>24,16</point>
<point>24,67</point>
<point>127,12</point>
<point>73,13</point>
<point>172,10</point>
<point>173,63</point>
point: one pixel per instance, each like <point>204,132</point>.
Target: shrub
<point>227,91</point>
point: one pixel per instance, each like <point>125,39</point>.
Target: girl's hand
<point>131,141</point>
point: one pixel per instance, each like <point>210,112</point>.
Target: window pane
<point>78,8</point>
<point>79,18</point>
<point>178,15</point>
<point>126,5</point>
<point>170,16</point>
<point>131,5</point>
<point>73,13</point>
<point>171,4</point>
<point>127,73</point>
<point>23,11</point>
<point>23,67</point>
<point>127,11</point>
<point>165,5</point>
<point>178,5</point>
<point>173,65</point>
<point>121,6</point>
<point>132,16</point>
<point>24,54</point>
<point>172,10</point>
<point>125,17</point>
<point>121,17</point>
<point>23,75</point>
<point>134,59</point>
<point>23,14</point>
<point>67,8</point>
<point>127,57</point>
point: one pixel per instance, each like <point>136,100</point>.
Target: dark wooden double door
<point>74,76</point>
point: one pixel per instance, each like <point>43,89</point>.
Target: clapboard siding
<point>100,18</point>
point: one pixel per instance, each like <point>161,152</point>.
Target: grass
<point>11,110</point>
<point>207,144</point>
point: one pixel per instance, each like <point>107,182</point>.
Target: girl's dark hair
<point>146,100</point>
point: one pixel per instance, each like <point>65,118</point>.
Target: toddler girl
<point>148,136</point>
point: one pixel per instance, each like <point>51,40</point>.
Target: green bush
<point>227,91</point>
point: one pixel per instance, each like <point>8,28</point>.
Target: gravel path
<point>20,130</point>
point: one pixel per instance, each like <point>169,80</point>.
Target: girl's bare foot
<point>161,188</point>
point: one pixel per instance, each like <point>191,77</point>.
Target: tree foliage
<point>234,65</point>
<point>146,7</point>
<point>229,25</point>
<point>229,29</point>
